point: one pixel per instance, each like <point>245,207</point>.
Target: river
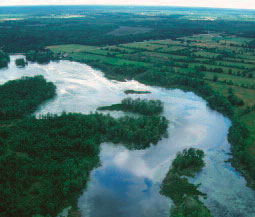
<point>127,183</point>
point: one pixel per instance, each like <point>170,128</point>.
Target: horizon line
<point>116,5</point>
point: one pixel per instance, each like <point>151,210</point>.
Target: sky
<point>247,4</point>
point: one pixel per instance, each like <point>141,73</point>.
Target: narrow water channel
<point>127,182</point>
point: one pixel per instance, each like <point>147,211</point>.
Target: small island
<point>185,195</point>
<point>136,92</point>
<point>21,62</point>
<point>140,106</point>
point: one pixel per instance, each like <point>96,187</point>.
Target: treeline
<point>114,72</point>
<point>4,59</point>
<point>184,194</point>
<point>42,56</point>
<point>45,162</point>
<point>21,97</point>
<point>242,159</point>
<point>140,106</point>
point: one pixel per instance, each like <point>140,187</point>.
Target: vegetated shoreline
<point>237,139</point>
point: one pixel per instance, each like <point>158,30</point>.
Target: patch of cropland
<point>177,187</point>
<point>218,67</point>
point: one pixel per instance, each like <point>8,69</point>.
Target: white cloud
<point>248,4</point>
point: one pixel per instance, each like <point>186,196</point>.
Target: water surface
<point>127,183</point>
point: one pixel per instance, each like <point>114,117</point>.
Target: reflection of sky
<point>114,192</point>
<point>127,183</point>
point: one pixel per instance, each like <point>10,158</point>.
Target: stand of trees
<point>20,62</point>
<point>21,97</point>
<point>136,92</point>
<point>42,56</point>
<point>235,100</point>
<point>143,107</point>
<point>184,194</point>
<point>4,59</point>
<point>242,159</point>
<point>188,162</point>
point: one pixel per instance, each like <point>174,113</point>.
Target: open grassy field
<point>224,62</point>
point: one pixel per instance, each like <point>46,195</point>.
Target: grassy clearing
<point>70,48</point>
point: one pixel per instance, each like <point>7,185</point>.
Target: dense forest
<point>40,28</point>
<point>184,194</point>
<point>22,97</point>
<point>4,59</point>
<point>140,106</point>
